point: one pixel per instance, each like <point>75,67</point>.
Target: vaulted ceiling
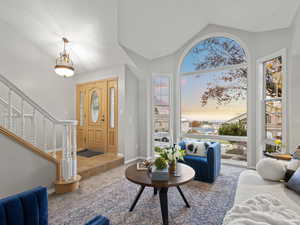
<point>159,27</point>
<point>153,28</point>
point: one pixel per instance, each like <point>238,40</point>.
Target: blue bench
<point>208,168</point>
<point>31,208</point>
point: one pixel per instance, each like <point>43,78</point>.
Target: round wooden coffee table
<point>184,175</point>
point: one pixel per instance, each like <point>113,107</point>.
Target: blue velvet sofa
<point>31,208</point>
<point>207,168</point>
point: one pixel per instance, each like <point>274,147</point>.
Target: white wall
<point>33,73</point>
<point>294,110</point>
<point>131,117</point>
<point>20,169</point>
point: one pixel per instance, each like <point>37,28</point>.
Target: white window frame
<point>205,71</point>
<point>262,100</point>
<point>251,95</point>
<point>171,135</point>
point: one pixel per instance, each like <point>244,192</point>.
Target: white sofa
<point>250,184</point>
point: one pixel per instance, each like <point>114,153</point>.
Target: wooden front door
<point>97,116</point>
<point>97,110</point>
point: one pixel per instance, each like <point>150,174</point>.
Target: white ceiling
<point>296,34</point>
<point>91,26</point>
<point>152,28</point>
<point>156,28</point>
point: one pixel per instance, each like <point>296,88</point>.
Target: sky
<point>192,88</point>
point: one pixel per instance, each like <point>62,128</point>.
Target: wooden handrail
<point>28,145</point>
<point>33,149</point>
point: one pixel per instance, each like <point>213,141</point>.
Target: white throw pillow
<point>271,169</point>
<point>200,149</point>
<point>294,164</point>
<point>189,147</point>
<point>196,148</point>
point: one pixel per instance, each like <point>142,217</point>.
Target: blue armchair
<point>207,168</point>
<point>31,208</point>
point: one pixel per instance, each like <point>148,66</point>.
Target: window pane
<point>273,78</point>
<point>81,109</point>
<point>161,110</point>
<point>273,120</point>
<point>112,108</point>
<point>161,90</point>
<point>161,119</point>
<point>215,103</point>
<point>161,126</point>
<point>212,53</point>
<point>271,148</point>
<point>95,107</point>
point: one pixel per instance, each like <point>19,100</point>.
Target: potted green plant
<point>160,170</point>
<point>171,155</point>
<point>160,163</point>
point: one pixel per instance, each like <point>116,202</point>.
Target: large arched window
<point>214,91</point>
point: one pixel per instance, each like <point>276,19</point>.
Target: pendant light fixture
<point>64,66</point>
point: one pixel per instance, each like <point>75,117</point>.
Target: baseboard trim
<point>146,158</point>
<point>234,165</point>
<point>137,158</point>
<point>50,190</point>
<point>240,166</point>
<point>251,168</point>
<point>131,160</point>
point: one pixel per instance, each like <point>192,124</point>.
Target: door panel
<point>80,139</point>
<point>97,128</point>
<point>81,116</point>
<point>113,116</point>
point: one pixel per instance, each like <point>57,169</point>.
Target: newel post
<point>70,178</point>
<point>74,150</point>
<point>66,153</point>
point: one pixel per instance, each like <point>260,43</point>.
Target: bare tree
<point>215,52</point>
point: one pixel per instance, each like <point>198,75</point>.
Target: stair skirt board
<point>88,153</point>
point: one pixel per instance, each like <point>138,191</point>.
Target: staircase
<point>30,125</point>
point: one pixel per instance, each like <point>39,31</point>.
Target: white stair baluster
<point>22,120</point>
<point>44,134</point>
<point>69,150</point>
<point>9,126</point>
<point>1,118</point>
<point>15,122</point>
<point>5,119</point>
<point>74,151</point>
<point>64,153</point>
<point>54,140</point>
<point>33,127</point>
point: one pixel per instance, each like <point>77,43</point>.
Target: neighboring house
<point>240,118</point>
<point>185,125</point>
<point>273,121</point>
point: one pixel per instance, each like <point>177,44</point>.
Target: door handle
<point>103,118</point>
